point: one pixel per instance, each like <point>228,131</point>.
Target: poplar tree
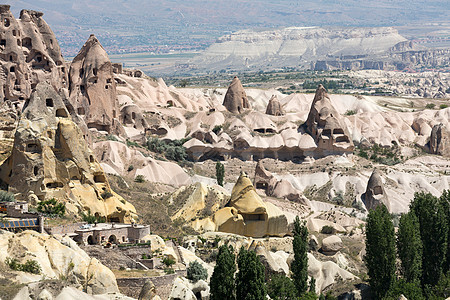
<point>250,280</point>
<point>222,286</point>
<point>409,247</point>
<point>299,266</point>
<point>380,251</point>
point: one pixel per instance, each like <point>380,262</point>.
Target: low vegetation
<point>172,150</point>
<point>30,266</point>
<point>51,207</point>
<point>196,272</point>
<point>6,196</point>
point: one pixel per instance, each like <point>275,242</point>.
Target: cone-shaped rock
<point>274,107</point>
<point>93,89</point>
<point>247,214</point>
<point>51,159</point>
<point>264,179</point>
<point>375,194</point>
<point>235,99</point>
<point>325,124</point>
<point>440,140</point>
<point>29,54</point>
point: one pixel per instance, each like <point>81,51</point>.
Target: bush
<point>430,106</point>
<point>350,113</point>
<point>442,106</point>
<point>51,207</point>
<point>328,230</point>
<point>139,178</point>
<point>196,271</point>
<point>172,150</point>
<point>6,196</point>
<point>168,261</point>
<point>30,266</point>
<point>90,219</point>
<point>111,137</point>
<point>217,129</point>
<point>106,194</point>
<point>130,168</point>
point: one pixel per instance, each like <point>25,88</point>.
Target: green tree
<point>409,247</point>
<point>434,232</point>
<point>380,250</point>
<point>445,203</point>
<point>196,272</point>
<point>281,287</point>
<point>411,290</point>
<point>51,207</point>
<point>222,286</point>
<point>250,283</point>
<point>299,266</point>
<point>220,173</point>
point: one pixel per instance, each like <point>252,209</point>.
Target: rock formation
<point>440,140</point>
<point>93,89</point>
<point>326,126</point>
<point>246,213</point>
<point>29,53</point>
<point>274,107</point>
<point>54,254</point>
<point>264,179</point>
<point>51,159</point>
<point>375,194</point>
<point>331,245</point>
<point>235,99</point>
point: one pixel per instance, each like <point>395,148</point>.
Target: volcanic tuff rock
<point>93,88</point>
<point>327,126</point>
<point>29,53</point>
<point>235,99</point>
<point>274,107</point>
<point>375,194</point>
<point>440,140</point>
<point>51,159</point>
<point>54,254</point>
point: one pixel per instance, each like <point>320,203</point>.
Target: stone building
<point>95,234</point>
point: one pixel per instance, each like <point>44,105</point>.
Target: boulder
<point>331,245</point>
<point>274,107</point>
<point>327,127</point>
<point>181,290</point>
<point>375,194</point>
<point>51,159</point>
<point>235,99</point>
<point>29,54</point>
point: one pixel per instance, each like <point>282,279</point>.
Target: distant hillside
<point>160,26</point>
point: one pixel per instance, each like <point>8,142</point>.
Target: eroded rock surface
<point>51,159</point>
<point>29,54</point>
<point>235,98</point>
<point>327,127</point>
<point>375,194</point>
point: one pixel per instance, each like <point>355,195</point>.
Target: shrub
<point>139,178</point>
<point>168,261</point>
<point>91,219</point>
<point>196,271</point>
<point>430,106</point>
<point>130,168</point>
<point>106,194</point>
<point>51,207</point>
<point>217,129</point>
<point>220,173</point>
<point>350,113</point>
<point>111,137</point>
<point>442,106</point>
<point>169,271</point>
<point>30,266</point>
<point>172,150</point>
<point>6,196</point>
<point>328,230</point>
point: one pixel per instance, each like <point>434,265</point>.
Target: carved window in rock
<point>36,170</point>
<point>61,113</point>
<point>253,217</point>
<point>49,102</point>
<point>54,185</point>
<point>94,71</point>
<point>326,132</point>
<point>377,190</point>
<point>2,42</point>
<point>26,42</point>
<point>262,185</point>
<point>81,111</point>
<point>14,32</point>
<point>99,178</point>
<point>338,131</point>
<point>32,147</point>
<point>12,69</point>
<point>6,22</point>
